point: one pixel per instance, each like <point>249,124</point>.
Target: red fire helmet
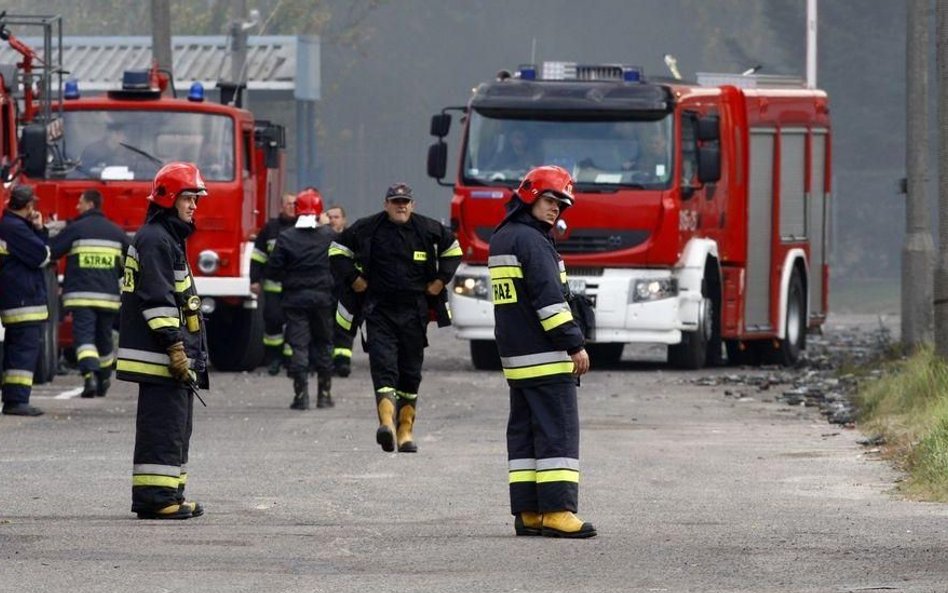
<point>309,202</point>
<point>172,180</point>
<point>548,179</point>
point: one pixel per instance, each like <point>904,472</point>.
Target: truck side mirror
<point>709,163</point>
<point>709,128</point>
<point>440,125</point>
<point>34,150</point>
<point>437,159</point>
<point>271,139</point>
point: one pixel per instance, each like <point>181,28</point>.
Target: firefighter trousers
<point>21,350</point>
<point>92,335</point>
<point>396,337</point>
<point>309,334</point>
<point>543,448</point>
<point>273,325</point>
<point>162,439</point>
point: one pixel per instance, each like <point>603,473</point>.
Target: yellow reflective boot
<point>528,523</point>
<point>566,524</point>
<point>385,435</point>
<point>406,420</point>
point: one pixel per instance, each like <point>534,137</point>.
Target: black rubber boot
<point>324,393</point>
<point>342,366</point>
<point>300,392</point>
<point>105,381</point>
<point>90,385</point>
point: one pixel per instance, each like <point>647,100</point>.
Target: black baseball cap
<point>399,190</point>
<point>21,196</point>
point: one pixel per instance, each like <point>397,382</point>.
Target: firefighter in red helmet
<point>300,261</point>
<point>162,344</point>
<point>542,352</point>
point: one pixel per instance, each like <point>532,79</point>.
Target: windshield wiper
<point>147,155</point>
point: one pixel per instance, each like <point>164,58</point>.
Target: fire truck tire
<point>48,361</point>
<point>484,355</point>
<point>788,350</point>
<point>235,338</point>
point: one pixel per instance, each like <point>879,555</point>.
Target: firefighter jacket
<point>160,305</point>
<point>430,245</point>
<point>95,247</point>
<point>23,257</point>
<point>300,261</point>
<point>533,325</point>
<point>263,247</point>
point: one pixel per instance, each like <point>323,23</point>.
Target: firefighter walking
<point>346,324</point>
<point>162,344</point>
<point>542,353</point>
<point>300,261</point>
<point>402,262</point>
<point>24,254</point>
<point>94,247</point>
<point>263,284</point>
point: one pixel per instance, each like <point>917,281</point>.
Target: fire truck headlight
<point>653,289</point>
<point>208,261</point>
<point>475,287</point>
<point>208,305</point>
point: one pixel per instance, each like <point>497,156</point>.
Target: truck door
<point>817,216</point>
<point>760,229</point>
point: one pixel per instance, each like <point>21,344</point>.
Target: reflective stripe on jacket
<point>23,257</point>
<point>94,248</point>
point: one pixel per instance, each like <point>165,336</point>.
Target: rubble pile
<point>824,377</point>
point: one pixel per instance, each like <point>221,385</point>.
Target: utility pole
<point>918,251</point>
<point>161,35</point>
<point>238,52</point>
<point>811,44</point>
<point>941,269</point>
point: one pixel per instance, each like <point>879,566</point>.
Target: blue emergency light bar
<point>196,92</point>
<point>71,89</point>
<point>571,71</point>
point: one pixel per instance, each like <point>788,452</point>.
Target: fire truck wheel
<point>692,352</point>
<point>48,361</point>
<point>787,352</point>
<point>484,355</point>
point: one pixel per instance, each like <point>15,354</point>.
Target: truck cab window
<point>689,151</point>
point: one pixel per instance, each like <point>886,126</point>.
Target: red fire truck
<point>117,142</point>
<point>702,211</point>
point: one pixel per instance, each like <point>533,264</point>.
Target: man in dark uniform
<point>345,326</point>
<point>300,261</point>
<point>262,282</point>
<point>542,353</point>
<point>402,262</point>
<point>95,247</point>
<point>163,345</point>
<point>23,257</point>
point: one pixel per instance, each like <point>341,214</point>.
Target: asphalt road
<point>690,489</point>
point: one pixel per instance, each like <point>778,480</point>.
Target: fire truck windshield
<point>133,145</point>
<point>600,153</point>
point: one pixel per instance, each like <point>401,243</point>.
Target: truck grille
<point>602,240</point>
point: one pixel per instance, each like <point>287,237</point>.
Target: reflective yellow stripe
<point>342,352</point>
<point>524,475</point>
<point>162,322</point>
<point>556,320</point>
<point>540,370</point>
<point>93,353</point>
<point>150,480</point>
<point>420,256</point>
<point>183,479</point>
<point>337,251</point>
<point>259,256</point>
<point>18,380</point>
<point>131,262</point>
<point>506,272</point>
<point>99,250</point>
<point>7,319</point>
<point>563,277</point>
<point>343,322</point>
<point>267,341</point>
<point>143,368</point>
<point>454,251</point>
<point>182,285</point>
<point>272,286</point>
<point>92,303</point>
<point>558,475</point>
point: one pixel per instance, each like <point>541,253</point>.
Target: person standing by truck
<point>300,261</point>
<point>24,254</point>
<point>399,260</point>
<point>163,344</point>
<point>262,284</point>
<point>542,353</point>
<point>94,247</point>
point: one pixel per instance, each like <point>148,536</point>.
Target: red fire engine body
<point>701,214</point>
<point>116,143</point>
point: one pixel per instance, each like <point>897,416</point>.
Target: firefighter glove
<point>179,362</point>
